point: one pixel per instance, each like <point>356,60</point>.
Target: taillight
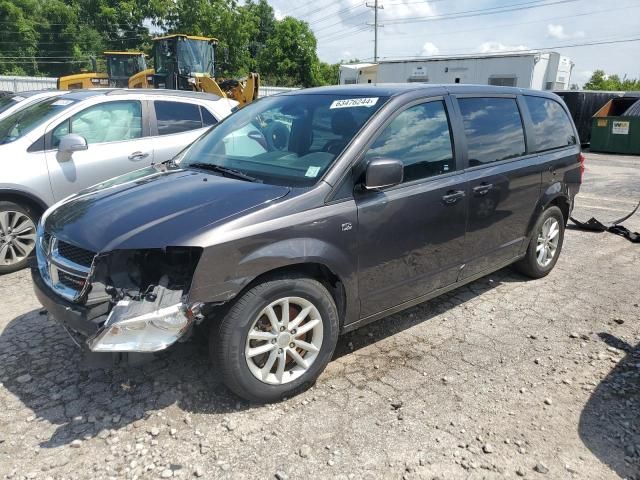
<point>581,159</point>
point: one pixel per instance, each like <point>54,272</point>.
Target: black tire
<point>529,264</point>
<point>227,344</point>
<point>6,206</point>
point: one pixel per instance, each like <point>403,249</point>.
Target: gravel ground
<point>503,378</point>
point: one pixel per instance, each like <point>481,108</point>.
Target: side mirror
<point>72,143</point>
<point>68,144</point>
<point>383,172</point>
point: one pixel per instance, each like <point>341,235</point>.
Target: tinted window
<point>420,137</point>
<point>105,122</point>
<point>551,125</point>
<point>176,117</point>
<point>207,118</point>
<point>493,128</point>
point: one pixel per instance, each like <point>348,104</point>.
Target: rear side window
<point>207,118</point>
<point>551,125</point>
<point>176,117</point>
<point>493,128</point>
<point>421,139</point>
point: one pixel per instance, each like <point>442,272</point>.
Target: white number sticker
<point>312,172</point>
<point>354,102</point>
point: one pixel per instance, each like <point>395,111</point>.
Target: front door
<point>114,135</point>
<point>411,236</point>
<point>504,181</point>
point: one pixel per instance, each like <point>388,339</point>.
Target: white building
<point>530,69</point>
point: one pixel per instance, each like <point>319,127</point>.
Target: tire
<point>230,346</point>
<point>15,250</point>
<point>531,265</point>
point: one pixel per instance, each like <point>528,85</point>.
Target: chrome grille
<point>75,254</point>
<point>64,267</point>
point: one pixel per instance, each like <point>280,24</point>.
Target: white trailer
<point>537,70</point>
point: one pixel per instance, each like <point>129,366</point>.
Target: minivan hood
<point>154,207</point>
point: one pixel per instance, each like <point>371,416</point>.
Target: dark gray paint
<point>390,248</point>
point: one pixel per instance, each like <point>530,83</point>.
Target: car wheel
<point>276,339</point>
<point>17,236</point>
<point>545,244</point>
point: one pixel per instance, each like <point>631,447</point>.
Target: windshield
<point>23,121</point>
<point>287,140</point>
<point>195,56</point>
<point>7,102</point>
<point>125,66</point>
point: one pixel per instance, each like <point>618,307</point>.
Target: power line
<point>480,12</point>
<point>529,50</point>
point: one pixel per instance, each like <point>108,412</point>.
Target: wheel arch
<point>23,198</point>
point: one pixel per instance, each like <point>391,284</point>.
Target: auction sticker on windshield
<point>354,102</point>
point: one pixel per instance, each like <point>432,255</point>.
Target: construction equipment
<point>124,69</point>
<point>186,62</point>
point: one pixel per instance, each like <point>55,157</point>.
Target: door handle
<point>453,196</point>
<point>482,189</point>
<point>138,155</point>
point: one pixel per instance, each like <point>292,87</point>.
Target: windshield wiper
<point>225,171</point>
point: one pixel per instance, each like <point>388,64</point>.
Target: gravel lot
<point>503,378</point>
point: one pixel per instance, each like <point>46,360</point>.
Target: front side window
<point>493,128</point>
<point>421,139</point>
<point>20,123</point>
<point>106,122</point>
<point>551,125</point>
<point>285,139</point>
<point>176,117</point>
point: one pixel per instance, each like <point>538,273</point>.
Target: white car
<point>16,101</point>
<point>59,146</point>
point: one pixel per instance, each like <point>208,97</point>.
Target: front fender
<point>264,259</point>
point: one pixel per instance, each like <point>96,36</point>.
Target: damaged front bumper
<point>118,320</point>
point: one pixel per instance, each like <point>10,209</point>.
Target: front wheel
<point>545,244</point>
<point>17,236</point>
<point>276,339</point>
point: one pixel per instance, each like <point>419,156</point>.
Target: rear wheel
<point>17,236</point>
<point>276,339</point>
<point>545,244</point>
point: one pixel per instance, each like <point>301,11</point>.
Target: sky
<point>452,27</point>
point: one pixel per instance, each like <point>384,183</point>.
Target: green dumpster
<point>615,128</point>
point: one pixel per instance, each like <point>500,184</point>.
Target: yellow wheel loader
<point>186,62</point>
<point>124,69</point>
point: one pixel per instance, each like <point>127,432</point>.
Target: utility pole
<point>375,7</point>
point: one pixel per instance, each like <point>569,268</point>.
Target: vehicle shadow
<point>47,372</point>
<point>389,326</point>
<point>609,423</point>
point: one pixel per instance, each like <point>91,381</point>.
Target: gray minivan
<point>309,214</point>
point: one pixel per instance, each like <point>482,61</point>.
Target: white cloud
<point>429,49</point>
<point>490,47</point>
<point>558,32</point>
<point>406,9</point>
<point>278,14</point>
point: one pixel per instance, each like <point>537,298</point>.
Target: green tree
<point>18,38</point>
<point>289,57</point>
<point>601,81</point>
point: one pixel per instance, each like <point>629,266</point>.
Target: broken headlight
<point>149,293</point>
<point>129,330</point>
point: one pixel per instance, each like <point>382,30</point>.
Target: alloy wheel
<point>17,237</point>
<point>284,340</point>
<point>548,239</point>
